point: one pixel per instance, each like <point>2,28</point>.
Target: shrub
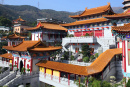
<point>128,83</point>
<point>86,34</point>
<point>106,84</point>
<point>15,65</point>
<point>96,55</point>
<point>28,70</point>
<point>86,59</point>
<point>72,57</point>
<point>92,57</point>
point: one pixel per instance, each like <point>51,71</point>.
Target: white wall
<point>107,32</point>
<point>127,66</point>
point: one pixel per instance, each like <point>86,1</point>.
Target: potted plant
<point>28,70</point>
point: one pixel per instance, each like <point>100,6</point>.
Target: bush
<point>106,84</point>
<point>86,34</point>
<point>15,65</point>
<point>86,59</point>
<point>128,83</point>
<point>96,55</point>
<point>72,57</point>
<point>92,57</point>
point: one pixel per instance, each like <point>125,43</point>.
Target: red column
<point>118,46</point>
<point>102,75</point>
<point>124,57</point>
<point>31,65</point>
<point>24,64</point>
<point>17,62</point>
<point>74,76</point>
<point>45,72</point>
<point>79,80</point>
<point>31,36</point>
<point>68,78</point>
<point>12,62</point>
<point>59,76</point>
<point>51,74</point>
<point>87,82</point>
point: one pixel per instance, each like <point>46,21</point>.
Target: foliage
<point>28,70</point>
<point>92,57</point>
<point>106,84</point>
<point>29,35</point>
<point>96,55</point>
<point>1,45</point>
<point>5,22</point>
<point>66,55</point>
<point>86,59</point>
<point>22,71</point>
<point>128,83</point>
<point>87,34</point>
<point>15,66</point>
<point>10,64</point>
<point>72,57</point>
<point>86,50</point>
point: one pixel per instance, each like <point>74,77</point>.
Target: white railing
<point>79,63</point>
<point>4,63</point>
<point>32,75</point>
<point>80,37</point>
<point>7,79</point>
<point>63,81</point>
<point>15,81</point>
<point>2,75</point>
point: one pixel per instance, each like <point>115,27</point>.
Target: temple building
<point>93,26</point>
<point>19,25</point>
<point>123,33</point>
<point>50,33</point>
<point>126,4</point>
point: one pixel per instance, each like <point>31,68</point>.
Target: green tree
<point>92,57</point>
<point>86,34</point>
<point>86,50</point>
<point>86,59</point>
<point>128,83</point>
<point>106,84</point>
<point>72,57</point>
<point>96,55</point>
<point>5,22</point>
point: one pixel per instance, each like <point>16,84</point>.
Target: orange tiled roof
<point>46,49</point>
<point>14,36</point>
<point>97,20</point>
<point>7,55</point>
<point>125,28</point>
<point>31,46</point>
<point>50,26</point>
<point>93,11</point>
<point>97,66</point>
<point>124,14</point>
<point>19,19</point>
<point>23,46</point>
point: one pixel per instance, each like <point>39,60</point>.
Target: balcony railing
<point>58,80</point>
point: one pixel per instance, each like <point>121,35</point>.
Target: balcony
<point>56,81</point>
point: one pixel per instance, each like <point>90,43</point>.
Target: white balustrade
<point>2,75</point>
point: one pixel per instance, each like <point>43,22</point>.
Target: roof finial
<point>86,8</point>
<point>19,16</point>
<point>108,3</point>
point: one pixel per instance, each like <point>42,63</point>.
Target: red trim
<point>128,53</point>
<point>68,78</point>
<point>92,28</point>
<point>31,36</point>
<point>122,55</point>
<point>45,72</point>
<point>107,27</point>
<point>97,28</point>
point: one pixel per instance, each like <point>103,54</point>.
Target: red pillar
<point>31,65</point>
<point>24,64</point>
<point>124,57</point>
<point>118,46</point>
<point>87,82</point>
<point>59,76</point>
<point>79,80</point>
<point>102,75</point>
<point>52,74</point>
<point>12,62</point>
<point>74,76</point>
<point>68,78</point>
<point>45,72</point>
<point>17,62</point>
<point>31,36</point>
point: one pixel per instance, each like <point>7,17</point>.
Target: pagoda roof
<point>19,19</point>
<point>125,1</point>
<point>125,14</point>
<point>97,20</point>
<point>125,28</point>
<point>14,36</point>
<point>93,11</point>
<point>47,25</point>
<point>7,55</point>
<point>97,66</point>
<point>31,46</point>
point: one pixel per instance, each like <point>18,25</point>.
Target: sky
<point>65,5</point>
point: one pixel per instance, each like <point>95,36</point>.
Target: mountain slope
<point>30,13</point>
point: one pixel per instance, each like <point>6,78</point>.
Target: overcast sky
<point>65,5</point>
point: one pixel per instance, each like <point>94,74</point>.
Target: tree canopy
<point>5,22</point>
